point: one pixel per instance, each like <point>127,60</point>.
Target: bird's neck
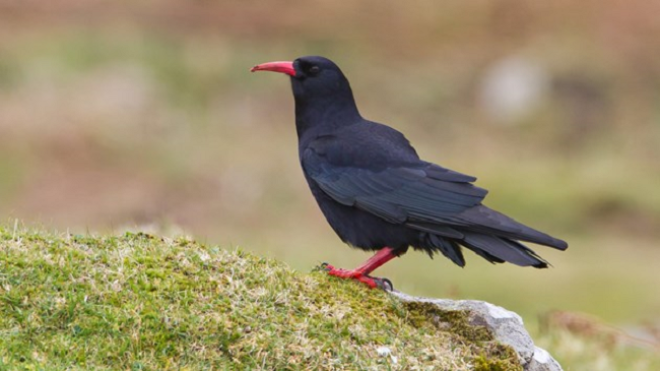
<point>325,115</point>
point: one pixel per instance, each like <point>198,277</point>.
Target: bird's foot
<point>372,282</point>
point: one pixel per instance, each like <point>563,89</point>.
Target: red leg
<point>361,273</point>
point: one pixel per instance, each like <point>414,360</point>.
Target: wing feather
<point>403,193</point>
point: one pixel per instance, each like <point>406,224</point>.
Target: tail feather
<point>498,249</point>
<point>490,234</point>
<point>448,248</point>
<point>485,255</point>
<point>490,222</point>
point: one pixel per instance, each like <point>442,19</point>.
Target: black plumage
<point>376,192</point>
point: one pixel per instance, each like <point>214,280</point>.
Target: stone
<point>542,361</point>
<point>506,327</point>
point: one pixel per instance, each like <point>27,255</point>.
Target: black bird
<point>377,194</point>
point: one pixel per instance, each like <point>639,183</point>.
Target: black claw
<point>321,267</point>
<point>384,284</point>
<point>389,285</point>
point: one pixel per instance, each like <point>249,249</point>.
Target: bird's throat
<point>324,115</point>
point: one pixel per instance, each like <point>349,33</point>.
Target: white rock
<point>505,326</point>
<point>542,361</point>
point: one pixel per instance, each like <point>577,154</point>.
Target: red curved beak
<point>282,67</point>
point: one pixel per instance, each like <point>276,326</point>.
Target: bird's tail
<point>484,220</point>
<point>492,248</point>
<point>501,249</point>
<point>490,234</point>
<point>495,236</point>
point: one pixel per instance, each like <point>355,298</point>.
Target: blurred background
<point>144,115</point>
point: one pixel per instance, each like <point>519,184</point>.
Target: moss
<point>141,301</point>
<point>454,321</point>
<point>494,356</point>
<point>486,364</point>
<point>497,357</point>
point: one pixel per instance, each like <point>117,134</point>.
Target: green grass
<point>139,302</point>
<point>144,303</point>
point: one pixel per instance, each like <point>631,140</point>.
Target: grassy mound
<point>144,303</point>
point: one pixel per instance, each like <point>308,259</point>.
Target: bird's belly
<point>362,229</point>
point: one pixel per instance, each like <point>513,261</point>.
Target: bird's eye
<point>313,70</point>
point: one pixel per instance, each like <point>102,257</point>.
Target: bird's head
<point>312,77</point>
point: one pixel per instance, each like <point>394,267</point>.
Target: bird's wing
<point>422,195</point>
